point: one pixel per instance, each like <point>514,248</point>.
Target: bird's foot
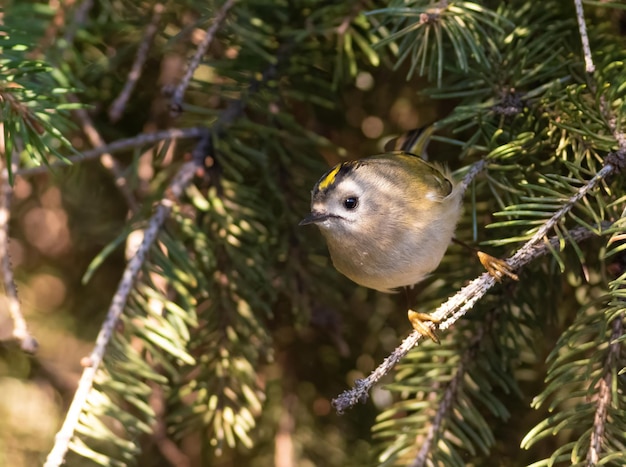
<point>497,268</point>
<point>417,321</point>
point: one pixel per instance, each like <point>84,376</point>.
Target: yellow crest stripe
<point>329,179</point>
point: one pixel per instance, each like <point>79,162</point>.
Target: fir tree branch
<point>604,393</point>
<point>20,330</point>
<point>119,145</point>
<point>133,268</point>
<point>117,108</point>
<point>582,28</point>
<point>459,304</point>
<point>176,104</point>
<point>181,180</point>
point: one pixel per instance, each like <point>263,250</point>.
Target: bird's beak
<point>314,218</point>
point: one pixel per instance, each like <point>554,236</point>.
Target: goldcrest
<point>387,219</point>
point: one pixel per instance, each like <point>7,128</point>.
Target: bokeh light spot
<point>364,81</point>
<point>372,127</point>
<point>47,291</point>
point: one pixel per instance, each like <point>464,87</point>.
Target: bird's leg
<point>497,268</point>
<point>417,321</point>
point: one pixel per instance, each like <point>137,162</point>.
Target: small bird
<point>388,220</point>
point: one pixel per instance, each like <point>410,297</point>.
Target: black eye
<point>351,202</point>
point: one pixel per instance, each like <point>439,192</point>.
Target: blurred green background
<point>335,104</point>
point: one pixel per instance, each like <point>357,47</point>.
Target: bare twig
<point>603,391</point>
<point>117,108</point>
<point>80,17</point>
<point>119,145</point>
<point>357,7</point>
<point>459,304</point>
<point>65,434</point>
<point>605,108</point>
<point>50,36</point>
<point>176,104</point>
<point>447,401</point>
<point>20,329</point>
<point>611,120</point>
<point>106,159</point>
<point>603,394</point>
<point>582,28</point>
<point>471,174</point>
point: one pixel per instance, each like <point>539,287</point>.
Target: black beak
<point>314,218</point>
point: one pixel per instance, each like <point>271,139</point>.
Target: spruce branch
<point>63,438</point>
<point>20,330</point>
<point>459,304</point>
<point>176,103</point>
<point>119,145</point>
<point>119,104</point>
<point>180,181</point>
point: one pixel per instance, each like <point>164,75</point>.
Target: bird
<point>388,220</point>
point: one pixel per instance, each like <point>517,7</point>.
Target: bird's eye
<point>351,202</point>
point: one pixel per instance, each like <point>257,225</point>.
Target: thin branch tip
<point>176,104</point>
<point>351,397</point>
<point>119,104</point>
<point>142,139</point>
<point>584,37</point>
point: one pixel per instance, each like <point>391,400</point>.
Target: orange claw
<point>497,268</point>
<point>417,321</point>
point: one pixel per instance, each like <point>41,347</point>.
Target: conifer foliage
<point>229,332</point>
